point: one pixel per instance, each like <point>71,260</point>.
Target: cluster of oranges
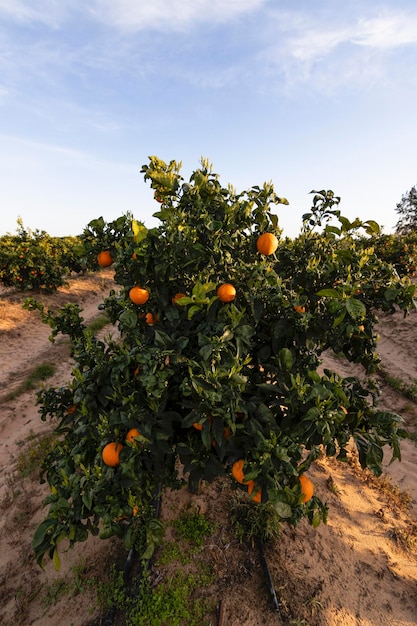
<point>307,487</point>
<point>111,451</point>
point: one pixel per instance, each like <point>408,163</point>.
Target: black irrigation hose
<point>268,575</point>
<point>109,620</point>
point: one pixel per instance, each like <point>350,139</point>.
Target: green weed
<point>30,460</point>
<point>39,374</point>
<point>251,521</point>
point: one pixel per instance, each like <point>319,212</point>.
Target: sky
<point>308,94</point>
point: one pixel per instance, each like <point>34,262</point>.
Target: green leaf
<point>328,293</point>
<point>283,509</point>
<point>87,500</point>
<point>139,231</point>
<point>355,308</point>
<point>372,227</point>
<point>286,359</point>
<point>56,560</point>
<point>128,319</point>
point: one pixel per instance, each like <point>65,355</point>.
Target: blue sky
<point>311,94</point>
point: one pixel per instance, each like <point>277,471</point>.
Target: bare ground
<point>359,569</point>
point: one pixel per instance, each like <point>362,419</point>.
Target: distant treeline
<point>36,260</point>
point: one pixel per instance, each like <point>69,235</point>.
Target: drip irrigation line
<point>268,575</point>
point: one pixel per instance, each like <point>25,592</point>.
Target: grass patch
<point>174,592</point>
<point>251,521</point>
<point>193,527</point>
<point>39,374</point>
<point>173,601</point>
<point>30,460</point>
<point>406,390</point>
<point>98,323</point>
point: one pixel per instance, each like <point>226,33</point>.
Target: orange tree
<point>225,381</point>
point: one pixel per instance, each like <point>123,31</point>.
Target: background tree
<point>407,209</point>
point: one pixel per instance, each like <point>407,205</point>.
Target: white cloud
<point>387,31</point>
<point>49,12</point>
<point>329,48</point>
<point>131,15</point>
<point>169,14</point>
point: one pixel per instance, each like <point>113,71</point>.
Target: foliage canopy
<point>210,382</point>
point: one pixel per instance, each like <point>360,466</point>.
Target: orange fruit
<point>177,297</point>
<point>251,486</point>
<point>299,308</point>
<point>133,432</point>
<point>104,258</point>
<point>151,319</point>
<point>226,292</point>
<point>138,295</point>
<point>198,426</point>
<point>307,488</point>
<point>135,510</point>
<point>111,453</point>
<point>267,243</point>
<point>237,471</point>
<point>71,409</point>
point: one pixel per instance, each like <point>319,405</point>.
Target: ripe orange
<point>251,486</point>
<point>138,295</point>
<point>111,453</point>
<point>71,409</point>
<point>198,426</point>
<point>299,308</point>
<point>151,319</point>
<point>226,292</point>
<point>135,510</point>
<point>104,258</point>
<point>307,488</point>
<point>267,243</point>
<point>133,432</point>
<point>177,297</point>
<point>237,471</point>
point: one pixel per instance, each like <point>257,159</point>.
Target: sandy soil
<point>359,569</point>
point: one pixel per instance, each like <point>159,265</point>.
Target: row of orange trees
<point>216,359</point>
<point>36,260</point>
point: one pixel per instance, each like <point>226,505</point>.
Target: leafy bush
<point>210,382</point>
<point>35,260</point>
<point>399,250</point>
